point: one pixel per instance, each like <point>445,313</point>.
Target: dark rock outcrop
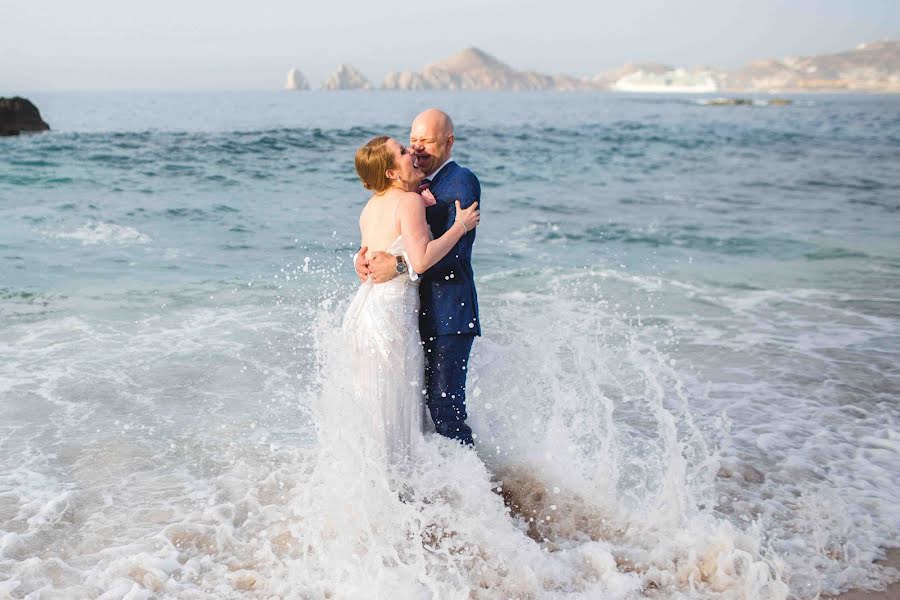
<point>18,115</point>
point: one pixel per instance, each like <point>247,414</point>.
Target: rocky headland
<point>475,69</point>
<point>873,67</point>
<point>18,115</point>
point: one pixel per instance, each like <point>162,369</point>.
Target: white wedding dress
<point>381,328</point>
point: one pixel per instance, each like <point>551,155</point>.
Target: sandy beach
<point>891,593</point>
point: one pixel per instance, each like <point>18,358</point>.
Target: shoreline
<point>891,593</point>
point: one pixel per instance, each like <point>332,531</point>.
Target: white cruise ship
<point>678,81</point>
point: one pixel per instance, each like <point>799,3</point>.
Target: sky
<point>229,45</point>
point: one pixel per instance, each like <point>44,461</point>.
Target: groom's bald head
<point>431,138</point>
<point>434,118</point>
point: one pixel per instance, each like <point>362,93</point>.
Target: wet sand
<point>891,593</point>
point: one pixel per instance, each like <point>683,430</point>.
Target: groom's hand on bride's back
<point>361,264</point>
<point>382,267</point>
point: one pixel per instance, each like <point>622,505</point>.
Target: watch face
<point>401,267</point>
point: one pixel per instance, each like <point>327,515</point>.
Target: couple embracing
<point>413,320</point>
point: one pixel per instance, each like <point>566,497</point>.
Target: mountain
<point>871,67</point>
<point>295,81</point>
<point>475,69</point>
<point>347,77</point>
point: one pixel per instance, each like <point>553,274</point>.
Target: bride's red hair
<point>372,160</point>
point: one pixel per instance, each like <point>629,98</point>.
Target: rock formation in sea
<point>19,115</point>
<point>730,101</point>
<point>474,69</point>
<point>296,81</point>
<point>347,77</point>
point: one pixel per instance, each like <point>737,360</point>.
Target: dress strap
<point>394,220</point>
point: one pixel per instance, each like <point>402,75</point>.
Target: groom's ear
<point>450,140</point>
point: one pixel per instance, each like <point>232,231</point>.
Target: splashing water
<point>591,478</point>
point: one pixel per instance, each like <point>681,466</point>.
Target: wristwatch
<point>401,265</point>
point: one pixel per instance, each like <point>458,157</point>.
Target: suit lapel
<point>436,215</point>
<point>450,166</point>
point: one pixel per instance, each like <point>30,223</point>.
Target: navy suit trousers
<point>446,364</point>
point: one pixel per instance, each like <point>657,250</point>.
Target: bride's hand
<point>469,217</point>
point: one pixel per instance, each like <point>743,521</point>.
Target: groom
<point>448,317</point>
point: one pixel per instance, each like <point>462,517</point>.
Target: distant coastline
<point>868,68</point>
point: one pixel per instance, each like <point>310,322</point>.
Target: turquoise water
<point>580,179</point>
<point>714,289</point>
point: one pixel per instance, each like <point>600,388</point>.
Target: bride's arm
<point>423,253</point>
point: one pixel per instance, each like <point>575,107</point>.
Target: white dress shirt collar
<point>438,170</point>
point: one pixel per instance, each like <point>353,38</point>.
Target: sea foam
<point>101,233</point>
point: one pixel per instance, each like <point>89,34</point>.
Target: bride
<point>382,322</point>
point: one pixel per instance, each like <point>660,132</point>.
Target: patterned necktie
<point>423,185</point>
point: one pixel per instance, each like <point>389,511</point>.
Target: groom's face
<point>430,143</point>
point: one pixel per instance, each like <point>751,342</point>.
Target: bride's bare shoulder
<point>410,199</point>
<point>367,207</point>
<point>369,203</point>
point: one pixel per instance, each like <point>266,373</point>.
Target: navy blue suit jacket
<point>449,304</point>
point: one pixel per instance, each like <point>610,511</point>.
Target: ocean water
<point>687,387</point>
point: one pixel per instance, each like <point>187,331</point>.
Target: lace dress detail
<point>382,328</point>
